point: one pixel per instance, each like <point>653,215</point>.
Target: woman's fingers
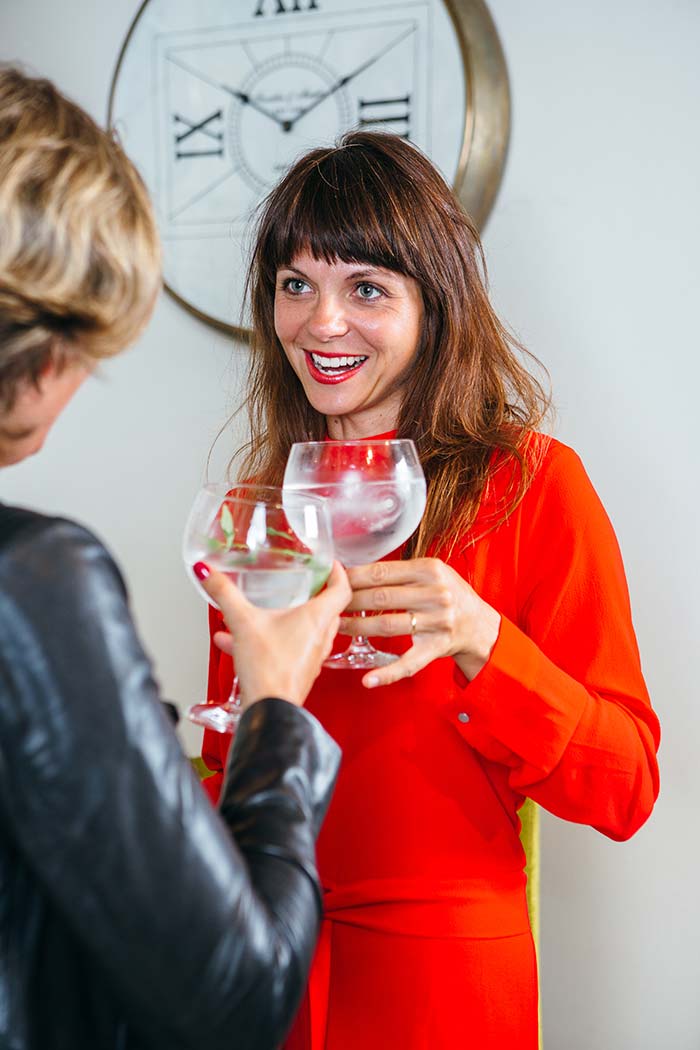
<point>394,573</point>
<point>336,595</point>
<point>422,652</point>
<point>388,625</point>
<point>221,590</point>
<point>410,596</point>
<point>424,583</point>
<point>278,652</point>
<point>326,607</point>
<point>223,641</point>
<point>412,609</point>
<point>431,603</point>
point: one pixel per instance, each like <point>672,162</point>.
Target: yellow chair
<point>530,838</point>
<point>200,769</point>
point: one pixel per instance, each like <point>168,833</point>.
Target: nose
<point>328,319</point>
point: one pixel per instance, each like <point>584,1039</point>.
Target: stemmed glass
<point>278,554</point>
<point>375,492</point>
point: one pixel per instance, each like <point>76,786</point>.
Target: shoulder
<point>558,492</point>
<point>55,554</point>
<point>553,454</point>
<point>556,471</point>
<point>549,467</point>
<point>15,521</point>
<point>561,503</point>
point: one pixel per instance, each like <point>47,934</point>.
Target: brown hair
<point>79,250</point>
<point>377,199</point>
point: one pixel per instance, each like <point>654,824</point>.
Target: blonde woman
<point>132,914</point>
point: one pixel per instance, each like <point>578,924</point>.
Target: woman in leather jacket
<point>132,915</point>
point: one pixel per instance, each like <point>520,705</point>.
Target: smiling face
<point>24,428</point>
<point>351,332</point>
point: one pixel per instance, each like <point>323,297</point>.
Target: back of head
<point>79,250</point>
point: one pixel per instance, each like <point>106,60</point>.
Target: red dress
<point>426,943</point>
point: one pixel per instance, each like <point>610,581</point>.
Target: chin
<point>329,403</point>
<point>9,461</point>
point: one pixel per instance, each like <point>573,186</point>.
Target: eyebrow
<point>374,271</point>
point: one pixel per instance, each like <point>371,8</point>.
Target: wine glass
<point>247,533</point>
<point>375,491</point>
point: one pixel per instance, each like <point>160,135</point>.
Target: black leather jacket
<point>131,914</point>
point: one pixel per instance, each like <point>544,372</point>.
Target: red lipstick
<point>340,377</point>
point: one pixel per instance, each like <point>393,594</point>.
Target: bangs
<point>341,208</point>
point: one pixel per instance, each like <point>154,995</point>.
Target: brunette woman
<point>519,674</point>
<point>132,915</point>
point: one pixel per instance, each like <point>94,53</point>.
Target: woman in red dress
<point>519,674</point>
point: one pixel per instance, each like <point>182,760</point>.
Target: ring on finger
<point>414,624</point>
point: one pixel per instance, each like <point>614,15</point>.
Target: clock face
<point>214,99</point>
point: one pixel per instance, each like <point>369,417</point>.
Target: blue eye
<point>368,291</point>
<point>295,285</point>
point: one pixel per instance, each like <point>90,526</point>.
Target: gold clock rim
<point>486,123</point>
<point>487,111</point>
<point>120,59</point>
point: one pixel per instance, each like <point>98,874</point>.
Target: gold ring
<point>414,624</point>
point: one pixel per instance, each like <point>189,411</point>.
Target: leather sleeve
<point>206,931</point>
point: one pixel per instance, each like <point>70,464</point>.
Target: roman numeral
<point>284,7</point>
<point>386,114</point>
<point>184,128</point>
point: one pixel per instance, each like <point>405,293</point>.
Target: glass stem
<point>234,701</point>
<point>360,643</point>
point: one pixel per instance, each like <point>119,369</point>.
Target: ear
<point>60,357</point>
<point>49,370</point>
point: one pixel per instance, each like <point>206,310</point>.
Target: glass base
<point>222,718</point>
<point>362,658</point>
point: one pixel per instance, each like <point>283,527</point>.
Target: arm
<point>276,650</point>
<point>562,699</point>
<point>175,906</point>
<point>556,692</point>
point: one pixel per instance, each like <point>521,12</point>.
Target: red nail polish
<point>201,570</point>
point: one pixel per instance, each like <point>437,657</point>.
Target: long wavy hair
<point>469,402</point>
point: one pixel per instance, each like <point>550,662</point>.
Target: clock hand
<point>346,79</point>
<point>248,101</point>
<point>240,95</point>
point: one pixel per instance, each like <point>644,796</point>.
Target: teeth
<point>333,364</point>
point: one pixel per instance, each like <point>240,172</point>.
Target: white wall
<point>593,249</point>
<point>593,252</point>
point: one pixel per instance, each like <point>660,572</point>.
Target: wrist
<point>261,698</point>
<point>266,690</point>
<point>482,640</point>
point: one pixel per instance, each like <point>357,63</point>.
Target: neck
<point>354,428</point>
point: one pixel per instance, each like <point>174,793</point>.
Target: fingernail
<point>371,681</point>
<point>201,570</point>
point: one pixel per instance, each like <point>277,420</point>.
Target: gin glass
<point>375,492</point>
<point>247,533</point>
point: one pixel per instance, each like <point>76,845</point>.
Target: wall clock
<point>213,99</point>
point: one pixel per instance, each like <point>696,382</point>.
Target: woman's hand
<point>444,616</point>
<point>278,652</point>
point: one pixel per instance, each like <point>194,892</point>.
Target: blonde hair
<point>79,249</point>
